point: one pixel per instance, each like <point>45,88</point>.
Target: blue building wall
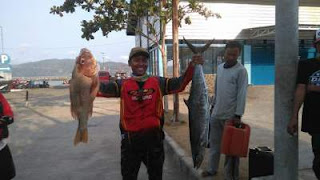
<point>257,57</point>
<point>261,70</point>
<point>307,53</point>
<point>262,65</point>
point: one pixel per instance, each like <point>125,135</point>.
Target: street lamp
<point>2,39</point>
<point>103,60</point>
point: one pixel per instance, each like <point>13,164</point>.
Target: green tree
<point>117,15</point>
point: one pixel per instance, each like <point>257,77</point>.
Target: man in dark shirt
<point>308,94</point>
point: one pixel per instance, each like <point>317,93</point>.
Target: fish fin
<point>205,47</point>
<point>90,110</point>
<point>73,101</point>
<point>191,47</point>
<point>186,102</point>
<point>198,50</point>
<point>81,136</point>
<point>94,87</point>
<point>77,138</point>
<point>84,135</point>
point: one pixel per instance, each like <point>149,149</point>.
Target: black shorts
<point>7,169</point>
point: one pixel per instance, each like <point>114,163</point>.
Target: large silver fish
<point>84,86</point>
<point>198,106</point>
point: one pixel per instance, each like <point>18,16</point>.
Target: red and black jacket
<point>141,103</point>
<point>6,117</point>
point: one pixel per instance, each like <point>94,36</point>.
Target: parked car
<point>19,84</point>
<point>104,76</point>
<point>38,84</point>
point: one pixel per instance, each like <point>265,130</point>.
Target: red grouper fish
<point>84,86</point>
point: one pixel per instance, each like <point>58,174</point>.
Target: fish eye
<point>82,60</point>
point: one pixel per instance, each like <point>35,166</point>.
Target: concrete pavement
<point>260,116</point>
<point>41,141</point>
<point>42,136</point>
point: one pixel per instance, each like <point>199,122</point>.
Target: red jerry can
<point>235,140</point>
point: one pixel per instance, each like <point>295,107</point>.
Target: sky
<point>31,33</point>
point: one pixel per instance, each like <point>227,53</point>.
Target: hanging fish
<point>84,86</point>
<point>199,109</point>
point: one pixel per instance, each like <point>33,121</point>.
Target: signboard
<point>4,59</point>
<point>5,67</point>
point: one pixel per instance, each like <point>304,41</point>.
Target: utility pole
<point>2,39</point>
<point>103,67</point>
<point>286,59</point>
<point>175,50</point>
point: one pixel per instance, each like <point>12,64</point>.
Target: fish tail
<point>77,138</point>
<point>84,135</point>
<point>81,136</point>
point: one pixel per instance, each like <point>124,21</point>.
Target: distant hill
<point>59,67</point>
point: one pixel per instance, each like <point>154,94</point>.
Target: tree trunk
<point>175,22</point>
<point>164,62</point>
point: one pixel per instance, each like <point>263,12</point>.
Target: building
<point>250,22</point>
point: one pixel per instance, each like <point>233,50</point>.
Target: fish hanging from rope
<point>84,86</point>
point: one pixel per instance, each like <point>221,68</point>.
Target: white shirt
<point>230,91</point>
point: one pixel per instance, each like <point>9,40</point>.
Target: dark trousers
<point>135,151</point>
<point>7,169</point>
<point>315,141</point>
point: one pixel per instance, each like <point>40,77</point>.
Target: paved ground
<point>42,136</point>
<point>259,115</point>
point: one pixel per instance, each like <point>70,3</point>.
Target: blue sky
<point>31,33</point>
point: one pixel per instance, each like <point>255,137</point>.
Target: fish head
<point>86,63</point>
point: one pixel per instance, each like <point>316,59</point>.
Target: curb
<point>184,163</point>
<point>180,159</point>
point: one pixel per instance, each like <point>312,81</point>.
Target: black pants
<point>315,141</point>
<point>7,169</point>
<point>140,149</point>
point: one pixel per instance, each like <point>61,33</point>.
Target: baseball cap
<point>138,51</point>
<point>317,37</point>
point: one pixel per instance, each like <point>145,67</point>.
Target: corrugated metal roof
<point>264,2</point>
<point>237,19</point>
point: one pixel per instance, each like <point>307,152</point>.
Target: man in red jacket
<point>7,169</point>
<point>141,114</point>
